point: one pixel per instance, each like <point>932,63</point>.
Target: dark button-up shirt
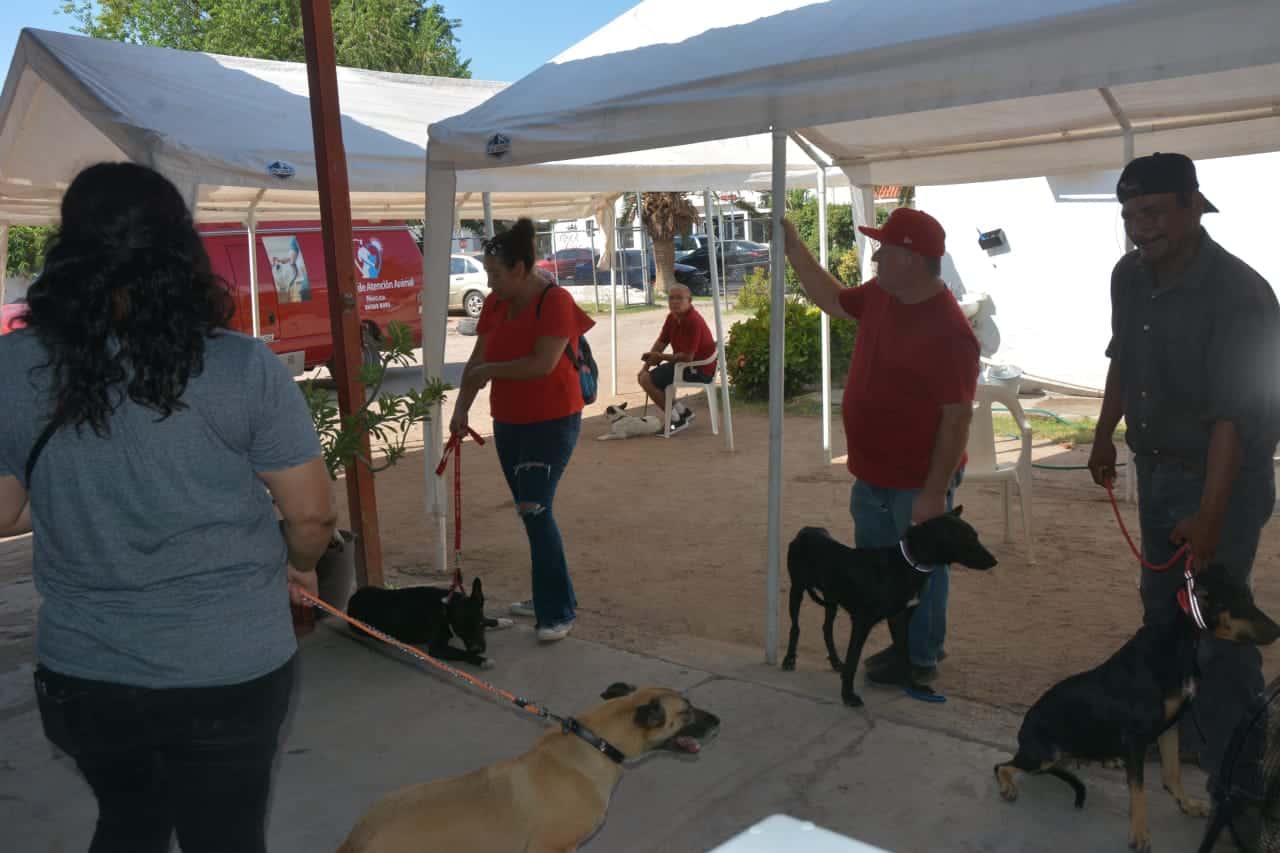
<point>1195,350</point>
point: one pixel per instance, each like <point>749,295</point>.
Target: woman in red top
<point>525,330</point>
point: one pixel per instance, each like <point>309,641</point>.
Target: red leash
<point>1187,595</point>
<point>1185,549</point>
<point>454,446</point>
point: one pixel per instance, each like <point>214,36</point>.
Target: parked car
<point>686,243</point>
<point>629,272</point>
<point>564,263</point>
<point>741,258</point>
<point>11,315</point>
<point>468,284</point>
<point>293,303</point>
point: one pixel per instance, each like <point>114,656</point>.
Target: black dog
<point>428,615</point>
<point>872,584</point>
<point>1117,710</point>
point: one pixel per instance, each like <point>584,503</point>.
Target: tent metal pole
<point>255,308</point>
<point>644,252</point>
<point>613,303</point>
<point>4,260</point>
<point>486,199</point>
<point>777,349</point>
<point>595,281</point>
<point>825,320</point>
<point>437,243</point>
<point>715,303</point>
<point>864,212</point>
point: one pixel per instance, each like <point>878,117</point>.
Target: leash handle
<point>1185,549</point>
<point>454,446</point>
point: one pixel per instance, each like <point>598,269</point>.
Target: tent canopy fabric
<point>216,124</point>
<point>956,91</point>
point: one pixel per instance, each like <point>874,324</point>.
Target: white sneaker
<point>523,608</point>
<point>558,631</point>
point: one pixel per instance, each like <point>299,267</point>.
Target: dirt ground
<point>668,538</point>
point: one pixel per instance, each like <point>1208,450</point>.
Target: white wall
<point>1052,289</point>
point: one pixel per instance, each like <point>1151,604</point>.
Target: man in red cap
<point>907,404</point>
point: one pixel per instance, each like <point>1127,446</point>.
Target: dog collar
<point>924,570</point>
<point>570,726</point>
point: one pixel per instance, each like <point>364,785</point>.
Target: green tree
<point>405,36</point>
<point>26,249</point>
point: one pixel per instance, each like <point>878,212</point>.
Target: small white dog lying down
<point>624,425</point>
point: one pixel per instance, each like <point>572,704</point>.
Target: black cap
<point>1159,173</point>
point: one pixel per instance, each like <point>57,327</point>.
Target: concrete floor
<point>902,775</point>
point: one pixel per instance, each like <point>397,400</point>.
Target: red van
<point>293,299</point>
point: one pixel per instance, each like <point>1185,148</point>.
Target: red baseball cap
<point>911,229</point>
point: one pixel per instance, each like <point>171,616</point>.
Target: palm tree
<point>666,215</point>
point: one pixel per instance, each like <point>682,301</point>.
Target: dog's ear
<point>651,715</point>
<point>476,590</point>
<point>618,688</point>
<point>959,509</point>
<point>622,405</point>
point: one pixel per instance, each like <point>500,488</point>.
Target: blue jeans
<point>533,458</point>
<point>880,517</point>
<point>1230,674</point>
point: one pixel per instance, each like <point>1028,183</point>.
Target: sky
<point>504,39</point>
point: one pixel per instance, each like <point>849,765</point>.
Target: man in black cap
<point>1194,364</point>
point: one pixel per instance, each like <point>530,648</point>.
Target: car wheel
<point>472,303</point>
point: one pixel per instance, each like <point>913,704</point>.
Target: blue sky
<point>504,39</point>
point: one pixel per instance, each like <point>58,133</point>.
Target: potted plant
<point>386,419</point>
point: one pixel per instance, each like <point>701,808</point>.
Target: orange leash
<point>1185,549</point>
<point>522,704</point>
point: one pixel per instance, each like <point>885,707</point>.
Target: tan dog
<point>549,800</point>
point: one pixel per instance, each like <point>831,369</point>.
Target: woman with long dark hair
<point>526,335</point>
<point>138,435</point>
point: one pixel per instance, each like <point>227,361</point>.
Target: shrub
<point>754,294</point>
<point>747,351</point>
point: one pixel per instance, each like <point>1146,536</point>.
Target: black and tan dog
<point>549,800</point>
<point>429,615</point>
<point>1113,713</point>
<point>872,584</point>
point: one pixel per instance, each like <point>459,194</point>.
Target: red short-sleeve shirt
<point>908,362</point>
<point>690,334</point>
<point>507,338</point>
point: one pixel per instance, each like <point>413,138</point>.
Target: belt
<point>1194,462</point>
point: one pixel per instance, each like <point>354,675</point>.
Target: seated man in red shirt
<point>690,340</point>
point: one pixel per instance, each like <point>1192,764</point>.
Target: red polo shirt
<point>908,362</point>
<point>507,338</point>
<point>690,334</point>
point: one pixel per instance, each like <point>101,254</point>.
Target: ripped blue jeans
<point>533,458</point>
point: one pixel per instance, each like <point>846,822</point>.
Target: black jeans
<point>194,760</point>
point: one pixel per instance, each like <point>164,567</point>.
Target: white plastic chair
<point>983,466</point>
<point>711,388</point>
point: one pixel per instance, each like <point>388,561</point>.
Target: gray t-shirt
<point>157,550</point>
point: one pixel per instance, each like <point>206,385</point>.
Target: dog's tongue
<point>688,744</point>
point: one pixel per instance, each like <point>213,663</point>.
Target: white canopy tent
<point>215,125</point>
<point>954,91</point>
<point>235,135</point>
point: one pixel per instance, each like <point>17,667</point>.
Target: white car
<point>468,284</point>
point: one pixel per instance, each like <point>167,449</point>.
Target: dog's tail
<point>813,593</point>
<point>1071,779</point>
